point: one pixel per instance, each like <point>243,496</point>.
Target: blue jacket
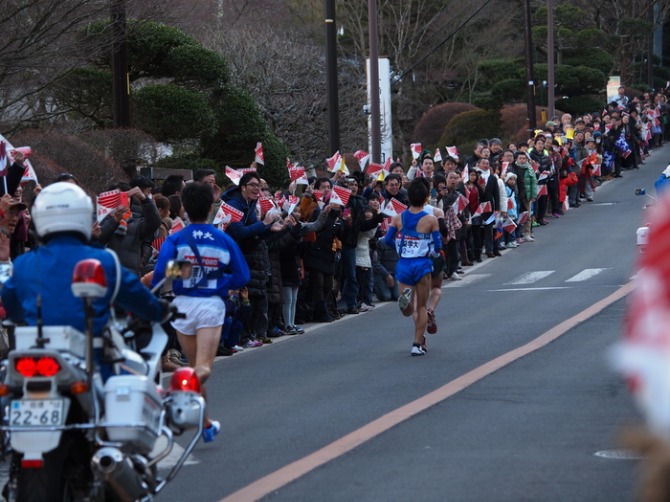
<point>224,265</point>
<point>47,271</point>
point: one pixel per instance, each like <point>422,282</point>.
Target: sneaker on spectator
<point>209,433</point>
<point>276,332</point>
<point>353,310</point>
<point>455,277</point>
<point>222,350</point>
<point>300,330</point>
<point>405,299</point>
<point>431,326</point>
<point>290,330</point>
<point>417,351</point>
<point>511,245</point>
<point>365,307</point>
<point>252,344</point>
<point>528,238</point>
<point>237,348</point>
<point>265,340</point>
<point>175,356</point>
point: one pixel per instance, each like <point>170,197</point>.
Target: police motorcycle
<point>71,435</point>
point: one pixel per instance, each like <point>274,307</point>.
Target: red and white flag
<point>416,150</point>
<point>333,161</point>
<point>265,204</point>
<point>177,225</point>
<point>233,175</point>
<point>465,176</point>
<point>293,201</point>
<point>460,204</point>
<point>452,151</point>
<point>362,158</point>
<point>394,207</point>
<point>542,191</point>
<point>318,195</point>
<point>260,158</point>
<point>340,195</point>
<point>509,225</point>
<point>227,214</point>
<point>510,202</point>
<point>107,202</point>
<point>503,169</point>
<point>523,217</point>
<point>438,156</point>
<point>375,170</point>
<point>246,170</point>
<point>297,174</point>
<point>643,355</point>
<point>484,207</point>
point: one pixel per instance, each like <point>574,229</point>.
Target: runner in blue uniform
<point>417,238</point>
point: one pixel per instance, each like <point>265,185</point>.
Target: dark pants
<point>349,280</point>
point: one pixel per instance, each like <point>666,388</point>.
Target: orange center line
<point>289,473</point>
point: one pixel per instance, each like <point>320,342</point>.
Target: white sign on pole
<point>384,108</point>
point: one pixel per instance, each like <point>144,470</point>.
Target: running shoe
<point>299,329</point>
<point>431,327</point>
<point>405,298</point>
<point>211,432</point>
<point>252,344</point>
<point>417,351</point>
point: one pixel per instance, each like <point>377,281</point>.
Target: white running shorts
<point>200,313</point>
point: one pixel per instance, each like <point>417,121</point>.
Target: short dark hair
<point>417,192</point>
<point>142,182</point>
<point>175,205</point>
<point>246,177</point>
<point>172,185</point>
<point>197,199</point>
<point>439,178</point>
<point>393,177</point>
<point>321,181</point>
<point>200,174</point>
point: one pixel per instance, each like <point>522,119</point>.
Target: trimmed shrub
<point>579,105</point>
<point>55,153</point>
<point>509,90</point>
<point>172,113</point>
<point>466,128</point>
<point>495,70</point>
<point>431,125</point>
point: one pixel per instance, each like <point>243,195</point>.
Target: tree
<point>285,75</point>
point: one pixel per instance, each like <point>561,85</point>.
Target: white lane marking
<point>530,289</point>
<point>467,279</point>
<point>171,460</point>
<point>586,274</point>
<point>531,277</point>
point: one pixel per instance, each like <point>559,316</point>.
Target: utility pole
<point>551,98</point>
<point>331,79</point>
<point>120,82</point>
<point>375,112</point>
<point>532,119</point>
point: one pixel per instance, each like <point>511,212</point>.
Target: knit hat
<point>509,176</point>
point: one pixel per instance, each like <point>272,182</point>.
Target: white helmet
<point>63,207</point>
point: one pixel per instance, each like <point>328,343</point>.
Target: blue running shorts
<point>411,270</point>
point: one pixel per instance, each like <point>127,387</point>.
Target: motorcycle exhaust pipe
<point>117,470</point>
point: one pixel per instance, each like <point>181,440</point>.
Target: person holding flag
<point>11,173</point>
<point>417,238</point>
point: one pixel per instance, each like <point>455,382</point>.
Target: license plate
<point>36,412</point>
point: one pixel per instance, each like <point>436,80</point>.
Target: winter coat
<point>250,235</point>
<point>319,254</point>
<point>134,246</point>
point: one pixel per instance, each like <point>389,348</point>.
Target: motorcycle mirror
<point>89,279</point>
<point>640,191</point>
<point>182,269</point>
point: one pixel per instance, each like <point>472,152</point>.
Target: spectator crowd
<point>315,248</point>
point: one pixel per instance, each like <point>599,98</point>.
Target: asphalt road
<point>528,431</point>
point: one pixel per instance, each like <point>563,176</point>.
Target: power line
<point>444,41</point>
